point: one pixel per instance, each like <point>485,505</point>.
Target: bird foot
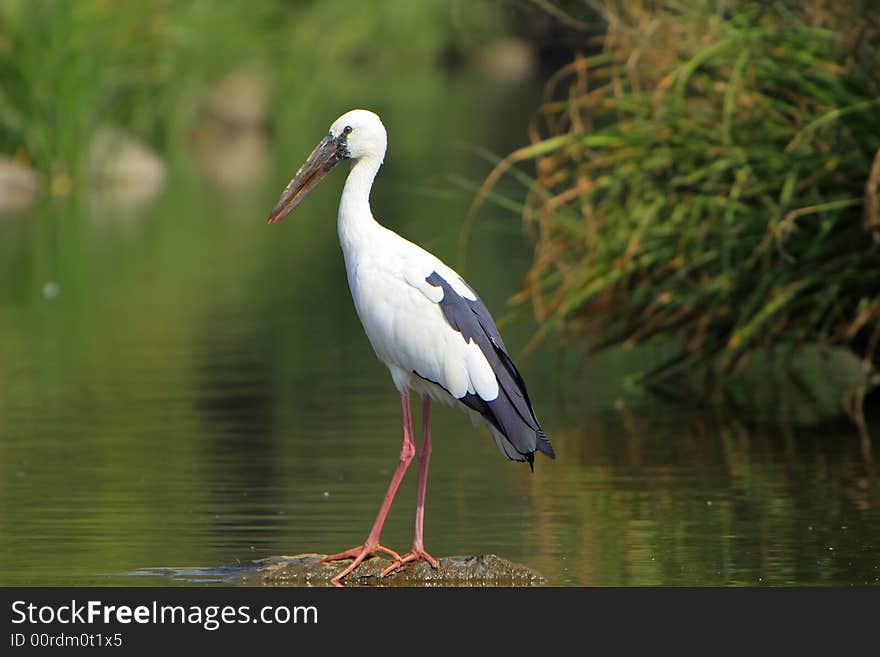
<point>358,554</point>
<point>413,555</point>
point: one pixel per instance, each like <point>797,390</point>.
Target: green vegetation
<point>709,176</point>
<point>68,67</point>
<point>184,385</point>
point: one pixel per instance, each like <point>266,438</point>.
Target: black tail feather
<point>544,445</point>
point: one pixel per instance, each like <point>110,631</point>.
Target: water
<point>185,388</point>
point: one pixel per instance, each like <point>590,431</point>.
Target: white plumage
<point>387,275</point>
<point>401,315</point>
<point>423,321</point>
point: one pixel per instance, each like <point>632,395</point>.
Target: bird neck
<point>356,223</point>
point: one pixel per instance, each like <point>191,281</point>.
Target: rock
<point>231,138</point>
<point>509,61</point>
<point>124,171</point>
<point>240,99</point>
<point>308,570</point>
<point>19,186</point>
<point>235,159</point>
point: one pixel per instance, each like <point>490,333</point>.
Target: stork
<point>424,322</point>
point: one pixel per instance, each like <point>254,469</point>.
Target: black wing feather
<point>512,408</point>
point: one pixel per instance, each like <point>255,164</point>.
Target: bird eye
<point>346,130</point>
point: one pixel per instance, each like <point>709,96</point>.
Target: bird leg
<point>372,545</point>
<point>424,456</point>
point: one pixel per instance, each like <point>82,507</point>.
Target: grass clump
<point>709,175</point>
<point>69,67</point>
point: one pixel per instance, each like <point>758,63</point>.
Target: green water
<point>200,393</point>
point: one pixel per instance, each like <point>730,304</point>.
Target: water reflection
<point>200,393</point>
<point>705,500</point>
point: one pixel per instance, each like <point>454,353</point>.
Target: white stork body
<point>401,314</point>
<point>424,322</point>
<point>397,307</point>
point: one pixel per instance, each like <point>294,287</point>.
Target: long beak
<point>326,155</point>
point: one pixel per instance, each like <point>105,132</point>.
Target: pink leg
<point>418,547</point>
<point>372,545</point>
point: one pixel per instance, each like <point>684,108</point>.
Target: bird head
<point>358,134</point>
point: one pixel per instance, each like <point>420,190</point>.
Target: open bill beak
<point>326,155</point>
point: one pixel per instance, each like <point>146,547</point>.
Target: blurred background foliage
<point>704,170</point>
<point>68,67</point>
<point>707,175</point>
<point>181,384</point>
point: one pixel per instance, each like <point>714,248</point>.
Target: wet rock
<point>240,99</point>
<point>234,158</point>
<point>308,570</point>
<point>19,186</point>
<point>123,171</point>
<point>509,61</point>
<point>231,138</point>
